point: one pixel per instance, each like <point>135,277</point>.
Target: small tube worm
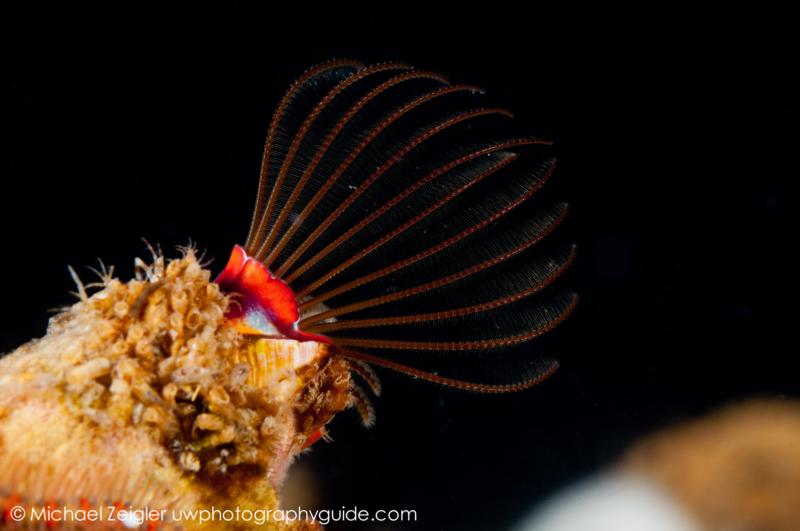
<point>391,229</point>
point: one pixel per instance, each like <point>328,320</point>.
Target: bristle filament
<point>322,150</point>
<point>322,253</point>
<point>434,284</point>
<point>283,213</point>
<point>365,372</point>
<point>257,223</point>
<point>352,156</point>
<point>474,387</point>
<point>446,314</point>
<point>360,400</point>
<point>482,344</point>
<point>424,254</point>
<point>391,161</point>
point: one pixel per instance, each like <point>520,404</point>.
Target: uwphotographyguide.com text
<point>134,517</point>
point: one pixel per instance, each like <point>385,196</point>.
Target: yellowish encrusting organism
<point>737,468</point>
<point>144,395</point>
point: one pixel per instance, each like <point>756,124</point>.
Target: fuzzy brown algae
<point>390,225</point>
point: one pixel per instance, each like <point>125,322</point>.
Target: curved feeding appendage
<point>394,220</point>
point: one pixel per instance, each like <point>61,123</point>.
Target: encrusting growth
<point>144,394</point>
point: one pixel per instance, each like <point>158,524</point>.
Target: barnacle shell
<point>145,395</point>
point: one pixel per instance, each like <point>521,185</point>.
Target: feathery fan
<point>390,223</point>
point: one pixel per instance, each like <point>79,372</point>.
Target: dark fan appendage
<point>548,368</point>
<point>402,225</point>
<point>531,288</point>
<point>345,164</point>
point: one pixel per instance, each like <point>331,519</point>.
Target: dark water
<point>678,140</point>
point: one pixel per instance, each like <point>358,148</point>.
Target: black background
<point>677,136</point>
